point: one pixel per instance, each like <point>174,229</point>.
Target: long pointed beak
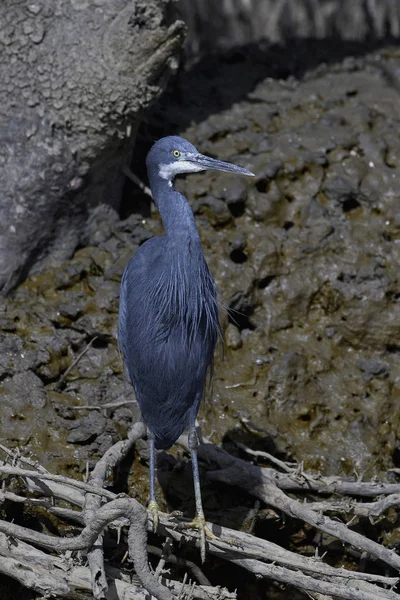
<point>208,164</point>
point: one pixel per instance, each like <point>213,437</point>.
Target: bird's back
<point>168,327</point>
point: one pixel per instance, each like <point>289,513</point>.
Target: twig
<point>103,406</point>
<point>166,550</point>
<point>240,544</point>
<point>253,547</point>
<point>348,585</point>
<point>328,485</point>
<point>253,480</point>
<point>17,457</point>
<point>180,562</point>
<point>360,509</point>
<point>38,477</point>
<point>351,590</point>
<point>50,575</point>
<point>260,454</point>
<point>135,179</point>
<point>74,363</point>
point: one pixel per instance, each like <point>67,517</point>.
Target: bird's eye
<point>176,153</point>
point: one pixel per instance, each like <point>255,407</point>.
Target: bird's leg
<point>199,522</point>
<point>153,506</point>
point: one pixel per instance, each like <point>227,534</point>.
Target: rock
<point>233,338</point>
<point>23,402</point>
<point>87,429</point>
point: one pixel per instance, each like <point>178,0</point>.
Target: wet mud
<point>306,258</point>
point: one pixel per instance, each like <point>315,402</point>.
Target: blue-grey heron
<point>168,314</point>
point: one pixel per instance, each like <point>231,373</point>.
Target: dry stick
<point>109,461</point>
<point>261,454</point>
<point>254,481</point>
<point>49,575</point>
<point>229,459</point>
<point>15,454</point>
<point>70,583</point>
<point>297,481</point>
<point>56,490</point>
<point>347,588</point>
<point>181,562</point>
<point>74,363</point>
<point>346,591</point>
<point>52,489</point>
<point>360,509</point>
<point>243,545</point>
<point>330,485</point>
<point>63,513</point>
<point>256,548</point>
<point>327,485</point>
<point>135,179</point>
<point>39,579</point>
<point>103,406</point>
<point>203,592</point>
<point>253,546</point>
<point>225,550</point>
<point>42,477</point>
<point>137,538</point>
<point>350,591</point>
<point>163,557</point>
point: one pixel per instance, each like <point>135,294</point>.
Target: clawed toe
<point>200,524</point>
<point>154,512</point>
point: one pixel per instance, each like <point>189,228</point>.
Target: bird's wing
<point>166,365</point>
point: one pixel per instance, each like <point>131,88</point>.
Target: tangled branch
<point>26,553</point>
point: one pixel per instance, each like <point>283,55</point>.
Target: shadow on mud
<point>217,81</point>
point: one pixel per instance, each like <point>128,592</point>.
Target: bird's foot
<point>199,523</point>
<point>154,512</point>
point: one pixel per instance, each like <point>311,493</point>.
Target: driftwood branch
<point>93,502</point>
<point>25,553</point>
<point>262,484</point>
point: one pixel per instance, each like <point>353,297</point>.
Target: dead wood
<point>50,564</point>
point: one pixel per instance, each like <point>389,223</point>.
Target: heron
<point>169,315</point>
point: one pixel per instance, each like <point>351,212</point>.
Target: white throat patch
<point>169,171</point>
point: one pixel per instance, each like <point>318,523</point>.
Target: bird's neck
<point>175,210</point>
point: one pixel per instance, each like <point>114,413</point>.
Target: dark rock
<point>85,430</point>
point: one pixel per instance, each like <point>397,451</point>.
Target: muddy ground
<point>306,255</point>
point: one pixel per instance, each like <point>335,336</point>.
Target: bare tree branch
<point>254,480</point>
<point>93,502</point>
<point>105,510</point>
<point>137,538</point>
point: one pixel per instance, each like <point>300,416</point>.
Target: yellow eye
<point>176,153</point>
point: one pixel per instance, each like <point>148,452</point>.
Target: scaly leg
<point>199,522</point>
<point>153,506</point>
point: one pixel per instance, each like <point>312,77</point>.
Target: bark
<point>74,78</point>
<point>25,553</point>
<point>215,25</point>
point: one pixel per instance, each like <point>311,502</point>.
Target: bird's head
<point>173,155</point>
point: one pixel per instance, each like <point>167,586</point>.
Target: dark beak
<point>209,164</point>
